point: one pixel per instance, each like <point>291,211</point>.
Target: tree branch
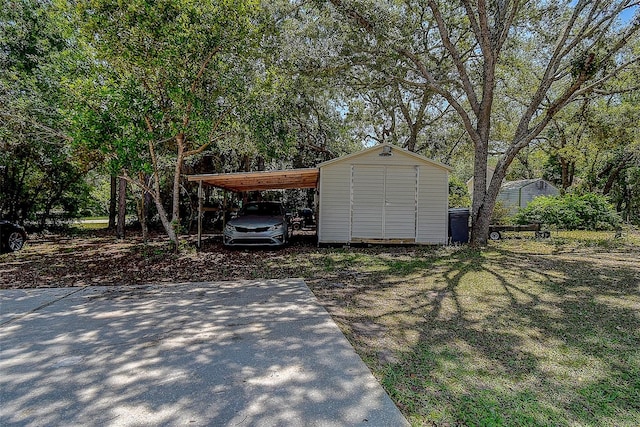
<point>522,140</point>
<point>547,78</point>
<point>48,130</point>
<point>205,145</point>
<point>433,84</point>
<point>354,15</point>
<point>605,78</point>
<point>203,66</point>
<point>455,56</point>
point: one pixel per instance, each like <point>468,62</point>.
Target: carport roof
<point>263,180</point>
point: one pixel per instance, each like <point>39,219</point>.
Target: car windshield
<point>262,209</point>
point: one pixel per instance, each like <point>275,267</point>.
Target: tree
<point>612,157</point>
<point>40,168</point>
<point>177,67</point>
<point>476,52</point>
<point>372,90</point>
<point>298,112</point>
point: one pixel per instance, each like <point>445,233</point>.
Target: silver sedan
<point>258,224</point>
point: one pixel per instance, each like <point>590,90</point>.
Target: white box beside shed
<point>383,194</point>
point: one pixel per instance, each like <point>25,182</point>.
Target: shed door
<point>383,202</point>
<point>400,202</point>
<point>367,202</point>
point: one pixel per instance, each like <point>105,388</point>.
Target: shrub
<point>501,213</point>
<point>458,193</point>
<point>571,212</point>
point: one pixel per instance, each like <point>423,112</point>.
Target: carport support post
<point>224,211</point>
<point>200,196</point>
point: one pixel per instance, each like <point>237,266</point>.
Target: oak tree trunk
<point>168,226</point>
<point>113,201</point>
<point>175,215</point>
<point>122,207</point>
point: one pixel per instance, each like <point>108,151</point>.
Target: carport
<point>253,181</point>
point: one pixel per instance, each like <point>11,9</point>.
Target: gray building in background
<point>518,194</point>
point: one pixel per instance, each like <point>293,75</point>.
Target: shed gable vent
<point>386,151</point>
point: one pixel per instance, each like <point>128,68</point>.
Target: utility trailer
<point>496,230</point>
<point>304,221</point>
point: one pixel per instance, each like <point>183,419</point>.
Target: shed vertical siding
<point>433,200</point>
<point>334,200</point>
<point>510,198</point>
<point>400,202</point>
<point>370,196</point>
<point>536,189</point>
<point>367,201</point>
<point>518,194</point>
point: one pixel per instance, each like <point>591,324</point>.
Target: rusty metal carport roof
<point>262,180</point>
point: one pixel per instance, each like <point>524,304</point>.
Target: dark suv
<point>12,236</point>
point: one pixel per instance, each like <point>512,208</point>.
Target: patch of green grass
<point>603,239</point>
<point>90,226</point>
<point>329,264</point>
<point>526,332</point>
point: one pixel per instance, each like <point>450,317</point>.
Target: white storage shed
<point>383,194</point>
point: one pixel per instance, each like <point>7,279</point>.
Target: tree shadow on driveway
<point>251,353</point>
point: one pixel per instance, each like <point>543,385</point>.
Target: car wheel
<point>495,235</point>
<point>15,241</point>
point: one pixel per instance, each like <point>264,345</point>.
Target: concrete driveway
<point>215,354</point>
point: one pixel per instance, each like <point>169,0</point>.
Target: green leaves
<point>178,53</point>
<point>571,212</point>
<point>41,169</point>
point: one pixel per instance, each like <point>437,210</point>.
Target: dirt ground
<point>97,258</point>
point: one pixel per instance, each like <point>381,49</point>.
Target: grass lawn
<point>91,223</point>
<point>524,332</point>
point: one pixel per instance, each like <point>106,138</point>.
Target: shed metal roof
<point>521,183</point>
<point>262,180</point>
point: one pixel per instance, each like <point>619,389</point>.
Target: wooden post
<point>200,195</point>
<point>224,211</point>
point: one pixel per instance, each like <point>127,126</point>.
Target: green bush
<point>501,214</point>
<point>571,212</point>
<point>458,193</point>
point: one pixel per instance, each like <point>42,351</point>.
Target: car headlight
<point>276,227</point>
<point>229,228</point>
